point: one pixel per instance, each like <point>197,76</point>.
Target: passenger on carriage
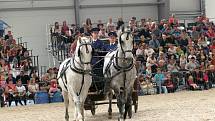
<point>112,42</point>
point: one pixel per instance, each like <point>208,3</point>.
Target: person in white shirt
<point>148,51</point>
<point>172,49</point>
<point>21,93</point>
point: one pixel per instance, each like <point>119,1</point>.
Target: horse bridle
<point>120,42</point>
<point>87,51</point>
<point>116,65</point>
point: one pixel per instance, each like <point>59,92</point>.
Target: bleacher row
<point>17,64</point>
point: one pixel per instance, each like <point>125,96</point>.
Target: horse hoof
<point>109,117</point>
<point>121,119</point>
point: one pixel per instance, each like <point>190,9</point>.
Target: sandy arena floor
<point>181,106</point>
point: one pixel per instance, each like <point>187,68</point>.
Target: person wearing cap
<point>110,47</point>
<point>97,62</point>
<point>112,42</point>
<point>98,46</point>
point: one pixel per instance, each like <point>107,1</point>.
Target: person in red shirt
<point>64,28</point>
<point>173,21</point>
<point>212,47</point>
<point>53,87</point>
<point>210,33</point>
<point>10,91</point>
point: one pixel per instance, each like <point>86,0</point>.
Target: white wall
<point>209,9</point>
<point>184,5</point>
<point>31,25</point>
<point>32,3</point>
<point>115,12</point>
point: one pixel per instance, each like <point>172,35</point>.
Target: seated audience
<point>10,91</point>
<point>33,87</point>
<point>21,93</point>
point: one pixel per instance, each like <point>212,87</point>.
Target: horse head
<point>126,42</point>
<point>84,50</point>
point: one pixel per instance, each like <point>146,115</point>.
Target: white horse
<point>119,68</point>
<point>74,78</point>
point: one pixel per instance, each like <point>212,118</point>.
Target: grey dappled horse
<point>119,68</point>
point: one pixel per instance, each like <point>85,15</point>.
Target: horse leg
<point>82,111</point>
<point>121,105</point>
<point>66,103</point>
<point>128,106</point>
<point>110,97</point>
<point>78,111</point>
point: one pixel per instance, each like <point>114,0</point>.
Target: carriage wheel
<point>93,108</point>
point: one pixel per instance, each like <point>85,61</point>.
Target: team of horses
<point>75,76</point>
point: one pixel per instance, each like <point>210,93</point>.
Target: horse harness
<point>75,69</point>
<point>118,68</point>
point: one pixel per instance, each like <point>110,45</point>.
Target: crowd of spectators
<point>169,54</point>
<point>19,80</point>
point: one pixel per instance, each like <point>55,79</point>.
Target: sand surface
<point>180,106</point>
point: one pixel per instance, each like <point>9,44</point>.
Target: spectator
<point>21,93</point>
<point>51,74</point>
<point>44,83</point>
<point>195,34</point>
<point>10,77</point>
<point>88,25</point>
<point>33,87</point>
<point>24,78</point>
<point>1,96</point>
<point>140,53</point>
<point>3,81</point>
<point>159,79</point>
<point>183,60</point>
<point>110,25</point>
<point>191,83</point>
<point>148,52</point>
<point>154,43</point>
<point>53,88</point>
<point>191,65</point>
<point>102,33</point>
<point>173,21</point>
<point>120,23</point>
<point>172,49</point>
<point>57,29</point>
<point>169,84</point>
<point>64,28</point>
<point>10,91</point>
<point>210,33</point>
<point>100,25</point>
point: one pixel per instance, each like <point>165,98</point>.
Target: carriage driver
<point>98,46</point>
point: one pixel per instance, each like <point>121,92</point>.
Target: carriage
<point>96,97</point>
<point>85,84</point>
